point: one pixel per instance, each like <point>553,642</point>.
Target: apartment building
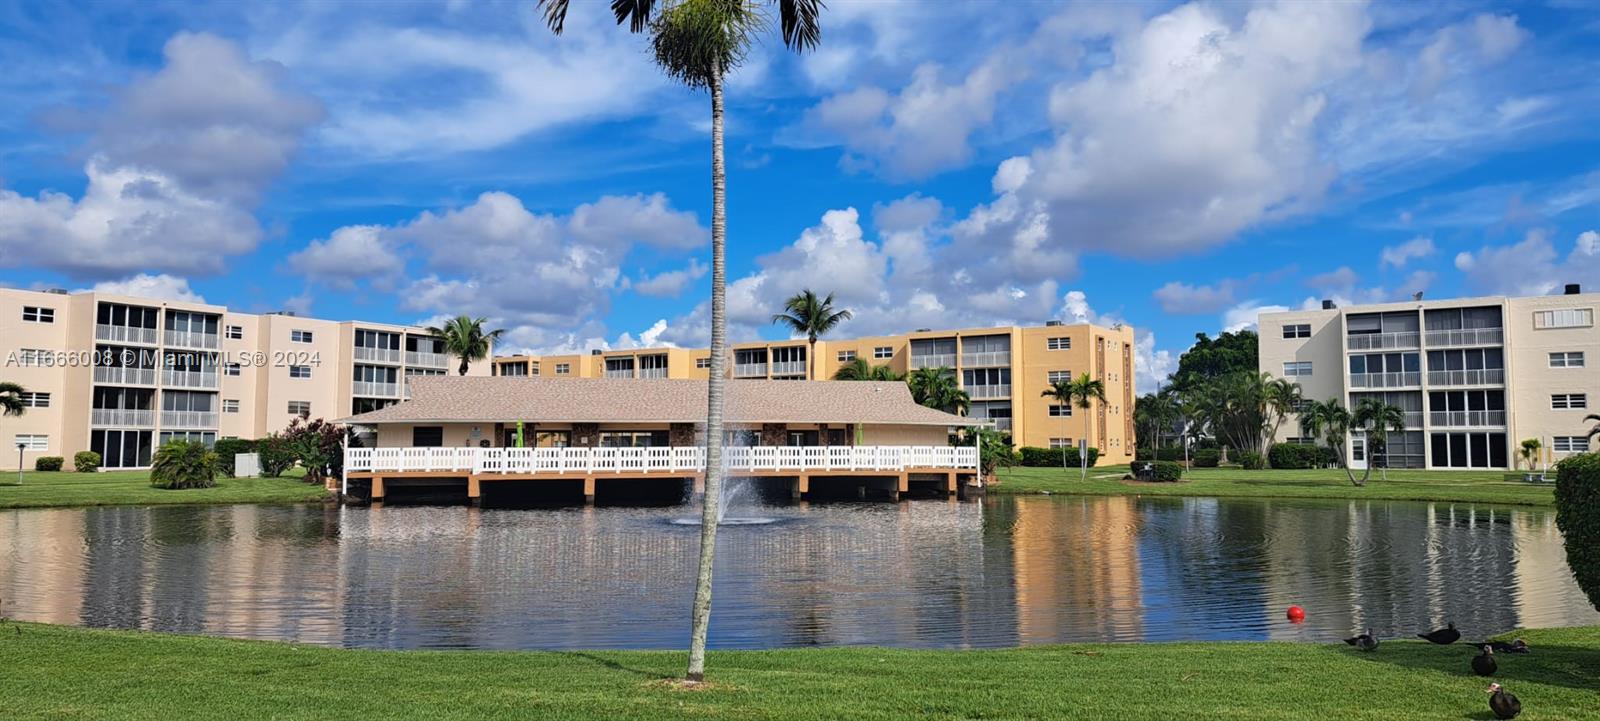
<point>1004,370</point>
<point>121,375</point>
<point>1475,376</point>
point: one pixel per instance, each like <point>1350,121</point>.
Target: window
<point>1569,444</point>
<point>1305,440</point>
<point>1297,368</point>
<point>36,400</point>
<point>1565,401</point>
<point>300,408</point>
<point>34,357</point>
<point>1569,359</point>
<point>300,336</point>
<point>1564,318</point>
<point>299,371</point>
<point>702,362</point>
<point>847,356</point>
<point>32,314</point>
<point>1059,443</point>
<point>565,368</point>
<point>427,436</point>
<point>1059,376</point>
<point>1060,411</point>
<point>883,351</point>
<point>33,441</point>
<point>230,405</point>
<point>235,332</point>
<point>1058,344</point>
<point>1297,330</point>
<point>232,369</point>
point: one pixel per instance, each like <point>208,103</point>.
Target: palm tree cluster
<point>860,370</point>
<point>806,314</point>
<point>1080,392</point>
<point>1242,410</point>
<point>937,388</point>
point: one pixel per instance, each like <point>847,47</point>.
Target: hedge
<point>1300,455</point>
<point>1206,458</point>
<point>48,463</point>
<point>1168,471</point>
<point>1578,517</point>
<point>86,461</point>
<point>227,448</point>
<point>1035,457</point>
<point>1158,454</point>
<point>1251,461</point>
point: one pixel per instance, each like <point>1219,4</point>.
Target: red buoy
<point>1296,614</point>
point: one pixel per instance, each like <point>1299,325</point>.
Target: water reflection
<point>1006,572</point>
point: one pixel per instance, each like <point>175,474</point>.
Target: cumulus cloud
<point>1177,297</point>
<point>1531,266</point>
<point>144,285</point>
<point>1396,256</point>
<point>1244,315</point>
<point>349,254</point>
<point>1462,47</point>
<point>670,283</point>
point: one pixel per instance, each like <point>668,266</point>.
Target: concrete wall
<point>1530,379</point>
<point>1324,350</point>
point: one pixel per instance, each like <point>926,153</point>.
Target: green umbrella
<point>519,434</point>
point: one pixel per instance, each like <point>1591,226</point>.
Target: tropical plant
<point>1212,359</point>
<point>937,388</point>
<point>465,338</point>
<point>698,42</point>
<point>1080,392</point>
<point>1594,430</point>
<point>806,314</point>
<point>1280,399</point>
<point>318,445</point>
<point>860,370</point>
<point>994,449</point>
<point>11,399</point>
<point>1330,421</point>
<point>1529,451</point>
<point>184,464</point>
<point>277,455</point>
<point>1377,419</point>
<point>1154,414</point>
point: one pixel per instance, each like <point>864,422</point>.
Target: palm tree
<point>11,399</point>
<point>1280,398</point>
<point>1530,451</point>
<point>1595,419</point>
<point>465,338</point>
<point>1330,420</point>
<point>697,42</point>
<point>937,388</point>
<point>806,314</point>
<point>860,370</point>
<point>1079,392</point>
<point>1377,419</point>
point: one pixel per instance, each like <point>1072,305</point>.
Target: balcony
<point>188,419</point>
<point>789,368</point>
<point>578,462</point>
<point>652,372</point>
<point>1466,337</point>
<point>1001,424</point>
<point>998,390</point>
<point>1385,380</point>
<point>933,360</point>
<point>1384,341</point>
<point>124,334</point>
<point>376,389</point>
<point>1467,419</point>
<point>192,339</point>
<point>377,355</point>
<point>122,417</point>
<point>190,379</point>
<point>749,370</point>
<point>1476,377</point>
<point>423,359</point>
<point>980,360</point>
<point>125,375</point>
<point>619,372</point>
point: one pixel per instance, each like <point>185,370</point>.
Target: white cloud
<point>1151,367</point>
<point>144,285</point>
<point>1464,47</point>
<point>349,254</point>
<point>1396,256</point>
<point>670,283</point>
<point>1177,297</point>
<point>1532,266</point>
<point>1243,316</point>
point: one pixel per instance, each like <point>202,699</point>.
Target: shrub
<point>48,463</point>
<point>86,461</point>
<point>1294,455</point>
<point>1578,517</point>
<point>1158,454</point>
<point>1206,457</point>
<point>184,464</point>
<point>1251,460</point>
<point>226,449</point>
<point>1168,471</point>
<point>318,445</point>
<point>276,455</point>
<point>1035,457</point>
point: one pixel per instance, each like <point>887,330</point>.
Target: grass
<point>132,488</point>
<point>57,672</point>
<point>1403,485</point>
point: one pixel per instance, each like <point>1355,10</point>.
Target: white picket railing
<point>660,459</point>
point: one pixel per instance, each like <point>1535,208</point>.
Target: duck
<point>1484,663</point>
<point>1503,703</point>
<point>1516,646</point>
<point>1442,636</point>
<point>1364,642</point>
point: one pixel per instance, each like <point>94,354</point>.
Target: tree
<point>465,338</point>
<point>1377,419</point>
<point>937,388</point>
<point>1280,399</point>
<point>1530,451</point>
<point>1210,360</point>
<point>11,399</point>
<point>318,445</point>
<point>860,370</point>
<point>1154,414</point>
<point>1595,430</point>
<point>1330,421</point>
<point>697,42</point>
<point>1081,392</point>
<point>806,314</point>
<point>184,464</point>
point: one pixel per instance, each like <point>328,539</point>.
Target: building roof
<point>502,399</point>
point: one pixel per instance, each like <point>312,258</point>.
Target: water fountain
<point>739,496</point>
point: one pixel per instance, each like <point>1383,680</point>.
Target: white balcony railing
<point>1384,341</point>
<point>991,358</point>
<point>789,368</point>
<point>661,459</point>
<point>1475,377</point>
<point>749,370</point>
<point>377,355</point>
<point>999,390</point>
<point>374,388</point>
<point>933,360</point>
<point>124,334</point>
<point>125,375</point>
<point>1465,337</point>
<point>188,419</point>
<point>652,373</point>
<point>190,379</point>
<point>192,339</point>
<point>1467,419</point>
<point>122,417</point>
<point>1001,424</point>
<point>619,372</point>
<point>1385,380</point>
<point>423,359</point>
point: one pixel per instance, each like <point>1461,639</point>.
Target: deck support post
<point>588,490</point>
<point>950,486</point>
<point>474,491</point>
<point>800,487</point>
<point>377,489</point>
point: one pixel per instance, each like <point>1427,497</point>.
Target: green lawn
<point>53,672</point>
<point>1403,485</point>
<point>132,488</point>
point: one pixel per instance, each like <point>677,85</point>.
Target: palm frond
<point>799,21</point>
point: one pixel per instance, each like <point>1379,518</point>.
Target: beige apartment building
<point>1475,376</point>
<point>1005,370</point>
<point>120,375</point>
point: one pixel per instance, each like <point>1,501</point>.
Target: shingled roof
<point>502,399</point>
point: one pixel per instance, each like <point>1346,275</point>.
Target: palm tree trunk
<point>700,619</point>
<point>464,365</point>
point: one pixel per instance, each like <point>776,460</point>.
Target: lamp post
<point>20,447</point>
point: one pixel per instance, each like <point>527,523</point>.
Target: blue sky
<point>1176,167</point>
